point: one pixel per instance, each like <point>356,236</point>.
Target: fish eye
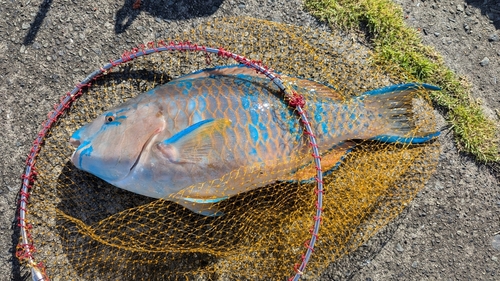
<point>109,118</point>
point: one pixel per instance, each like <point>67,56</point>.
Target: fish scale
<point>212,134</point>
<point>250,117</point>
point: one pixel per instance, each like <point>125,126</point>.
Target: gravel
<point>48,46</point>
<point>485,61</point>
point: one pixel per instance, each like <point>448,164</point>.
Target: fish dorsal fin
<point>228,70</point>
<point>240,70</point>
<point>193,144</point>
<point>319,89</point>
<point>329,162</point>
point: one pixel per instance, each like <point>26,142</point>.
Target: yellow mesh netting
<point>86,229</point>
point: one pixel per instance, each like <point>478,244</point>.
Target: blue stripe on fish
<point>85,152</point>
<point>401,87</point>
<point>114,123</point>
<point>409,140</point>
<point>186,131</point>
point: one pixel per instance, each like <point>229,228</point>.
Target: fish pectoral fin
<point>329,162</point>
<point>193,144</point>
<point>202,206</point>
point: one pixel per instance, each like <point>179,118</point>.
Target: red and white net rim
<point>26,248</point>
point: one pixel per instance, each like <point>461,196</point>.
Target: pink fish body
<point>218,132</point>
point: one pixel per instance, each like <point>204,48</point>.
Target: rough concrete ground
<point>449,232</point>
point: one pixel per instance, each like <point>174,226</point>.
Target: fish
<point>215,133</point>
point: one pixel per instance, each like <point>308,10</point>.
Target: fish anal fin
<point>329,162</point>
<point>205,207</point>
<point>193,144</point>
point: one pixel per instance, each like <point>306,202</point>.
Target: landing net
<point>77,226</point>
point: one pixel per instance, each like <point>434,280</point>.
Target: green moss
<point>399,50</point>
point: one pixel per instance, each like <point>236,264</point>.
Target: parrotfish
<point>214,133</point>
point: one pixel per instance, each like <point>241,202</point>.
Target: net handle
<point>25,249</point>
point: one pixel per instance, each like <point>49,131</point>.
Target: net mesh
<point>86,229</point>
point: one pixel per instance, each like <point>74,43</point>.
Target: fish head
<point>111,145</point>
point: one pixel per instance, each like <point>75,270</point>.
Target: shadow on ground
<point>165,9</point>
<point>125,16</point>
<point>37,22</point>
<point>17,268</point>
<point>84,227</point>
<point>349,266</point>
<point>114,232</point>
<point>489,8</point>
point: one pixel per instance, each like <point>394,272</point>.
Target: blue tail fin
<point>394,106</point>
<point>407,140</point>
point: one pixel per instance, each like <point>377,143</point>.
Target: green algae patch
<point>399,49</point>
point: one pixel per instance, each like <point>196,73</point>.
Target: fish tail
<point>394,106</point>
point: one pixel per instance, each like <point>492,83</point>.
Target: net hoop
<point>26,249</point>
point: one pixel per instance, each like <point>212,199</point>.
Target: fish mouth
<point>74,142</point>
<point>80,147</point>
